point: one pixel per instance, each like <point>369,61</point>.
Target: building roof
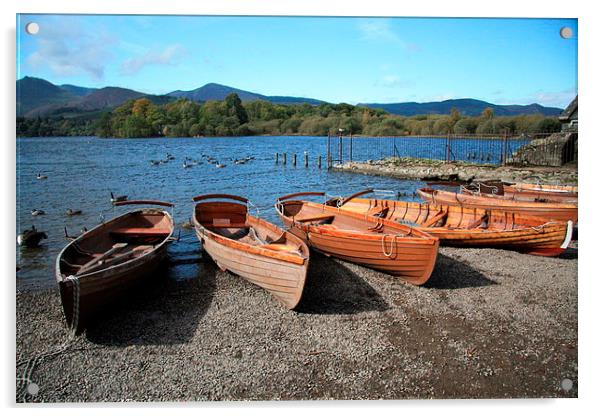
<point>569,111</point>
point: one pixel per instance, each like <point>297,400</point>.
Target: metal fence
<point>532,149</point>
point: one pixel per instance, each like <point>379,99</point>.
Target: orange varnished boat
<point>469,227</point>
<point>250,247</point>
<point>517,193</point>
<point>546,210</point>
<point>393,248</point>
<point>102,264</point>
<point>556,189</point>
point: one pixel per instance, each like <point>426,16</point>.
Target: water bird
<point>36,212</point>
<point>31,238</point>
<point>73,211</point>
<point>169,156</point>
<point>186,165</point>
<point>220,165</point>
<point>155,162</point>
<point>40,176</point>
<point>187,225</point>
<point>118,198</point>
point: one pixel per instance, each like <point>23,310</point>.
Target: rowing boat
<point>518,193</point>
<point>396,249</point>
<point>251,247</point>
<point>461,226</point>
<point>547,210</point>
<point>102,264</point>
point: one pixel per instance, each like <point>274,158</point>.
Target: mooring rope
<point>382,241</point>
<point>30,364</point>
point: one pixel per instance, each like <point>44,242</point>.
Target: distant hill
<point>466,106</point>
<point>39,98</point>
<point>36,92</point>
<point>78,91</point>
<point>214,91</point>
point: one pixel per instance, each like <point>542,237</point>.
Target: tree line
<point>232,117</point>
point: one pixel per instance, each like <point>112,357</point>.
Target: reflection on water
<point>82,172</point>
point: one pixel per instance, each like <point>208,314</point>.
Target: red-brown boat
<point>547,210</point>
<point>250,247</point>
<point>102,264</point>
<point>517,193</point>
<point>393,248</point>
<point>469,227</point>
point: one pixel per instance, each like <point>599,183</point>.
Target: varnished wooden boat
<point>517,193</point>
<point>556,189</point>
<point>546,210</point>
<point>250,247</point>
<point>470,227</point>
<point>393,248</point>
<point>102,264</point>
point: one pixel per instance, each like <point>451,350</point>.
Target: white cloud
<point>381,30</point>
<point>168,56</point>
<point>555,98</point>
<point>66,49</point>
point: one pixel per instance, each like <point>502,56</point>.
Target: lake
<point>82,171</point>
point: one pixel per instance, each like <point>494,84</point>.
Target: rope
<point>25,380</point>
<point>382,241</point>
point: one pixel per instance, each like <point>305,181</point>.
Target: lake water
<point>82,171</point>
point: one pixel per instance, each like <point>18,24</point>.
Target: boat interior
<point>231,220</point>
<point>125,238</point>
<point>332,218</point>
<point>442,216</point>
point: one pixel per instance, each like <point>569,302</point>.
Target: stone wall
<point>555,150</point>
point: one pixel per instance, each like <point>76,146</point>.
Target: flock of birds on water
<point>190,162</point>
<point>32,237</point>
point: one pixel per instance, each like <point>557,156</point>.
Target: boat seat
<point>321,217</point>
<point>229,225</point>
<point>280,247</point>
<point>140,232</point>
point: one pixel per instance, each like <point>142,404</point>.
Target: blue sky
<point>504,61</point>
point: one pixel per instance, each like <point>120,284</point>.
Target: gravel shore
<point>488,324</point>
<point>420,169</point>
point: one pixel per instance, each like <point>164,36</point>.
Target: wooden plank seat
<point>140,232</point>
<point>321,217</point>
<point>229,225</point>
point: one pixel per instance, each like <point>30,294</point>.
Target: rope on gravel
<point>24,382</point>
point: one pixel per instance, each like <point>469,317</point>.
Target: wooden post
<point>505,148</point>
<point>305,159</point>
<point>328,148</point>
<point>320,162</point>
<point>448,156</point>
<point>284,158</point>
<point>350,147</point>
<point>276,157</point>
<point>329,162</point>
<point>294,159</point>
<point>341,148</point>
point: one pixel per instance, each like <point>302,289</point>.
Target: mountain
<point>78,91</point>
<point>39,98</point>
<point>35,92</point>
<point>214,91</point>
<point>466,106</point>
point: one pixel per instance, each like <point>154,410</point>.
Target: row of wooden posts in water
<point>282,158</point>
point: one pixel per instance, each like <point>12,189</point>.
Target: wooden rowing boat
<point>252,248</point>
<point>546,210</point>
<point>393,248</point>
<point>461,226</point>
<point>556,189</point>
<point>102,264</point>
<point>517,193</point>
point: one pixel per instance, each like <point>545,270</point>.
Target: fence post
<point>320,162</point>
<point>294,159</point>
<point>305,159</point>
<point>341,148</point>
<point>505,147</point>
<point>447,156</point>
<point>350,147</point>
<point>328,148</point>
<point>276,156</point>
<point>284,158</point>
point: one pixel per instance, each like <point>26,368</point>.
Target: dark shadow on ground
<point>570,253</point>
<point>332,288</point>
<point>162,311</point>
<point>450,273</point>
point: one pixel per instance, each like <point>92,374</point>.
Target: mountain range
<point>37,97</point>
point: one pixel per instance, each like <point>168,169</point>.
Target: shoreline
<point>419,169</point>
<point>488,324</point>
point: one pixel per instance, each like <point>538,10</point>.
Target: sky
<point>335,59</point>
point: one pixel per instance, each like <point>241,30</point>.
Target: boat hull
<point>529,235</point>
<point>410,259</point>
<point>549,211</point>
